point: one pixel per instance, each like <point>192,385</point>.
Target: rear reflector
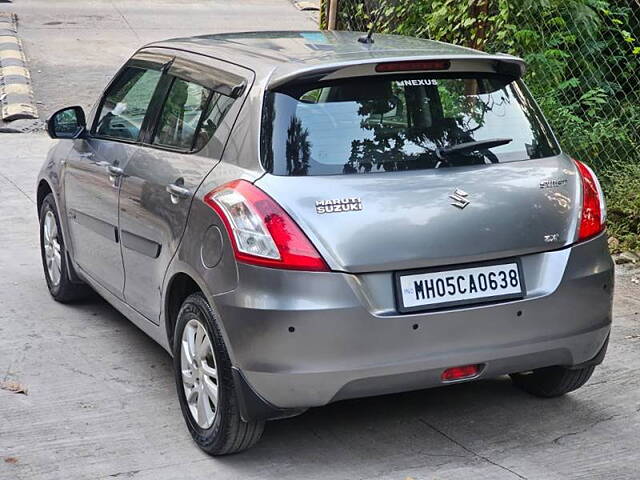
<point>413,66</point>
<point>458,373</point>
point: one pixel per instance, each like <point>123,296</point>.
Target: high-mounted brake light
<point>594,214</point>
<point>261,232</point>
<point>413,66</point>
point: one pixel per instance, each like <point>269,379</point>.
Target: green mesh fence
<point>583,61</point>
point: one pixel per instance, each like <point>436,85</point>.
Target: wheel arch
<point>180,282</point>
<point>251,405</point>
<point>179,287</point>
<point>44,189</point>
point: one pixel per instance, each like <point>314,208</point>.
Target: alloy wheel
<point>199,373</point>
<point>52,248</point>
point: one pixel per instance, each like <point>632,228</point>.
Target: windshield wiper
<point>468,147</point>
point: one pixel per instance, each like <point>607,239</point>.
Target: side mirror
<point>69,122</point>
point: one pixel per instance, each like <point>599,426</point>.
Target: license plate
<point>441,288</point>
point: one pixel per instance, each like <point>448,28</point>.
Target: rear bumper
<point>304,339</point>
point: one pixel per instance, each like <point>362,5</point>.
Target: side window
<point>218,107</point>
<point>187,103</point>
<point>125,104</point>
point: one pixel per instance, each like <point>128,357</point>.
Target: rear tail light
<point>593,216</point>
<point>413,66</point>
<point>261,232</point>
<point>460,373</point>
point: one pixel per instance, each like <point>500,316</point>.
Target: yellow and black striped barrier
<point>16,93</point>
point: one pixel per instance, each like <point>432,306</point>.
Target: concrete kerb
<point>16,94</point>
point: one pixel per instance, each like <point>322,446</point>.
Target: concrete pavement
<point>102,400</point>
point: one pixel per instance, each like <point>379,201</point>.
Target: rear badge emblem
<point>351,204</point>
<point>459,198</point>
<point>552,238</point>
<point>553,183</point>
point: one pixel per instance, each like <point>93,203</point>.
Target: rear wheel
<point>205,384</point>
<point>552,381</point>
<point>54,256</point>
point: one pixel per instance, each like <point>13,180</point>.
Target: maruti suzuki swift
<point>305,217</point>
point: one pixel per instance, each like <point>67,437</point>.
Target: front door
<point>94,171</point>
<point>159,182</point>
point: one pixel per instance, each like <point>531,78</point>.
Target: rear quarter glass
<point>398,122</point>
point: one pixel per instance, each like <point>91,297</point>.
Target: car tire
<point>54,256</point>
<point>224,433</point>
<point>552,381</point>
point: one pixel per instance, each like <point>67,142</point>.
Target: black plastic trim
<point>71,270</point>
<point>597,360</point>
<point>140,244</point>
<point>253,407</point>
<point>154,111</point>
<point>102,228</point>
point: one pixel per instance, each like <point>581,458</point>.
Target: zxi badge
<point>552,238</point>
<point>459,198</point>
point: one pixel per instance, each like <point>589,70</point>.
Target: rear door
<point>365,166</point>
<point>193,118</point>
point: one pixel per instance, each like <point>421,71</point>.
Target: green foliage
<point>583,60</point>
<point>623,197</point>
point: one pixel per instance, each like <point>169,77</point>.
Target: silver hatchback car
<point>305,217</point>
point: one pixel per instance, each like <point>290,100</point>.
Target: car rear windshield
<point>401,122</point>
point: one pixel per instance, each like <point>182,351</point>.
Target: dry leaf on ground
<point>13,386</point>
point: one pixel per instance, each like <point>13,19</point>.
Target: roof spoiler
<point>502,64</point>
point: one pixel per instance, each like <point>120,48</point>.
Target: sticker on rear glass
<point>352,204</point>
<point>428,82</point>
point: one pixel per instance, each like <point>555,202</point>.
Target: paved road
<point>101,400</point>
<point>75,46</point>
<point>102,404</point>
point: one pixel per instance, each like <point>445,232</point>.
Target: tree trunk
<point>479,9</point>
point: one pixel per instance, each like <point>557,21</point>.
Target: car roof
<point>284,54</point>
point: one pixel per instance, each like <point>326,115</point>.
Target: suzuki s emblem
<point>459,198</point>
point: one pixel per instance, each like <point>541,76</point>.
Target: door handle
<point>177,192</point>
<point>115,171</point>
<point>114,174</point>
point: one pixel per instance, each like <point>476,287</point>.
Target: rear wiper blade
<point>472,146</point>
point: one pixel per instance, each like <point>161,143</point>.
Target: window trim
<point>201,121</point>
<point>155,109</point>
<point>164,60</point>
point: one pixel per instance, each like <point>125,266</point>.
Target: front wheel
<point>552,381</point>
<point>54,255</point>
<point>205,384</point>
